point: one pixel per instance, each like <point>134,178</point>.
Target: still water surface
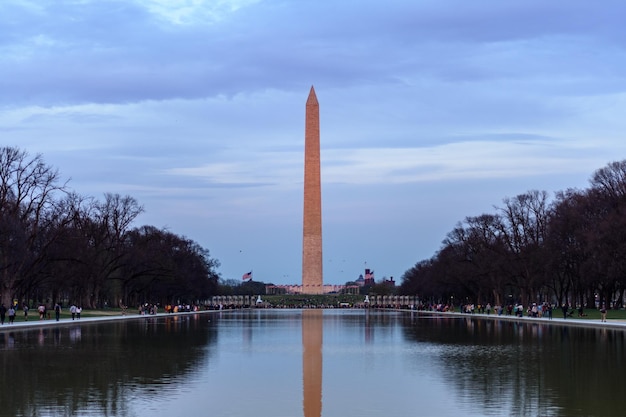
<point>312,363</point>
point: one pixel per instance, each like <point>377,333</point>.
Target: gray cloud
<point>430,111</point>
<point>117,51</point>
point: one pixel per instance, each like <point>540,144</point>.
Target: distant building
<point>369,277</point>
<point>298,289</point>
<point>362,281</point>
<point>351,289</point>
<point>275,289</point>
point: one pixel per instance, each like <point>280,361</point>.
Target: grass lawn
<point>593,314</point>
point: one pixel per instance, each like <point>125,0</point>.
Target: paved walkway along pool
<point>596,323</point>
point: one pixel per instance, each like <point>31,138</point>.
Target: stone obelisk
<point>312,282</point>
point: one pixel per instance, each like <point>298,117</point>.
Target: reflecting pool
<point>312,363</point>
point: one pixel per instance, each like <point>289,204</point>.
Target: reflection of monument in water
<point>312,321</point>
<point>312,282</point>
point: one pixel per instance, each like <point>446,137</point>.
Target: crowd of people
<point>42,309</point>
<point>151,309</point>
<point>7,315</point>
<point>533,310</point>
<point>538,310</point>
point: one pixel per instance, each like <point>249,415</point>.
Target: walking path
<point>35,322</point>
<point>560,321</point>
<point>595,323</point>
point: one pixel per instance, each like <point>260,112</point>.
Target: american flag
<point>247,275</point>
<point>369,275</point>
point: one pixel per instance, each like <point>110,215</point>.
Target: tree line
<point>567,250</point>
<point>56,245</point>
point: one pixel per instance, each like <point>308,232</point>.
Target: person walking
<point>79,310</point>
<point>73,311</point>
<point>3,313</point>
<point>603,314</point>
<point>57,311</point>
<point>25,308</point>
<point>11,313</point>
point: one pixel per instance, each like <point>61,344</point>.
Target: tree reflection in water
<point>98,369</point>
<point>539,369</point>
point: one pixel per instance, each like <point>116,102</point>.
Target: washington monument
<point>312,282</point>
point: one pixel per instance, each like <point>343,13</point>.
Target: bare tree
<point>166,268</point>
<point>608,241</point>
<point>569,229</point>
<point>611,180</point>
<point>27,207</point>
<point>105,255</point>
<point>524,227</point>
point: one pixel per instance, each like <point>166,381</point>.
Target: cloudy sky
<point>431,111</point>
